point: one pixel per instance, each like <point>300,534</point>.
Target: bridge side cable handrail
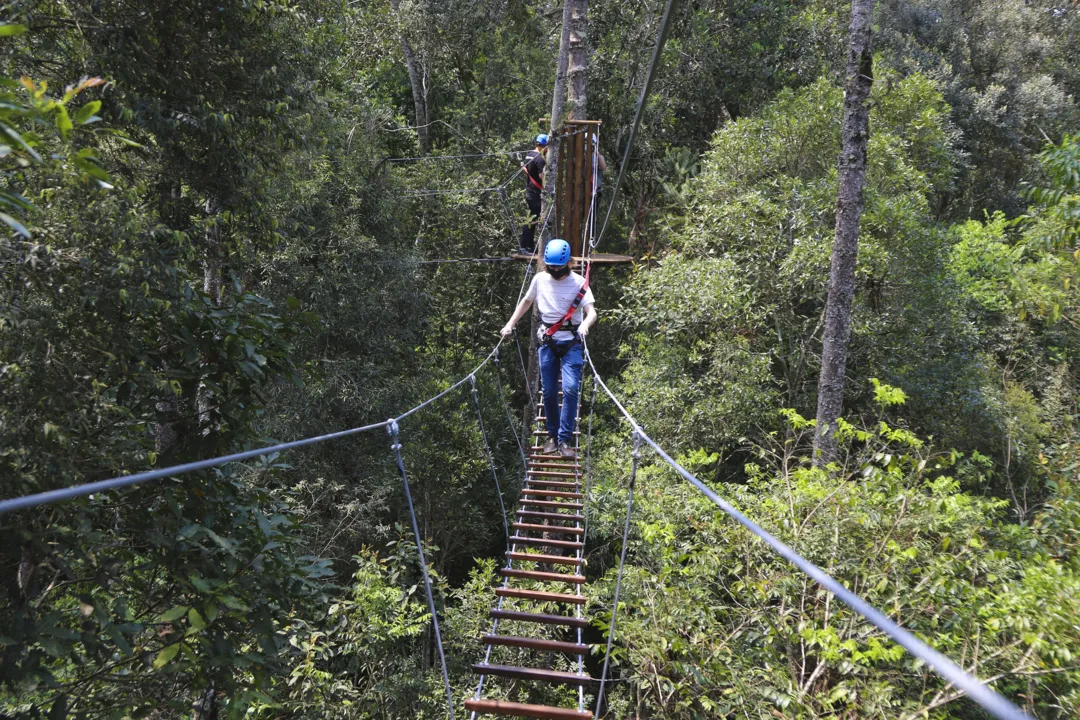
<point>122,481</point>
<point>990,700</point>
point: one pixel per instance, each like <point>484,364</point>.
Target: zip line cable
<point>990,700</point>
<point>658,49</point>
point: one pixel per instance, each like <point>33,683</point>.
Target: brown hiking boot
<point>566,451</point>
<point>550,446</point>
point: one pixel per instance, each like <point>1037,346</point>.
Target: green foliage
<point>739,302</point>
<point>714,623</point>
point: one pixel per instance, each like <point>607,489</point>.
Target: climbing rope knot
<point>472,383</point>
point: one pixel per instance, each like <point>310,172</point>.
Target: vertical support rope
<point>509,418</point>
<point>392,430</point>
<point>490,457</point>
<point>588,459</point>
<point>618,577</point>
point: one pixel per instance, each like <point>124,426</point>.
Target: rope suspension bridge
<point>539,609</point>
<point>545,557</point>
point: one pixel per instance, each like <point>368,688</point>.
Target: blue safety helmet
<point>557,253</point>
<point>541,140</point>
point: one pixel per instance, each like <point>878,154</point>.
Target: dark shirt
<point>534,165</point>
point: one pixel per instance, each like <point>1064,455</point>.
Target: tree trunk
<point>212,269</point>
<point>849,208</point>
<point>418,91</point>
<point>558,105</point>
<point>579,57</point>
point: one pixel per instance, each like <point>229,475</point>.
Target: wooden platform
<point>597,259</point>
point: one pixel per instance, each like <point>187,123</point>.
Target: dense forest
<point>233,223</point>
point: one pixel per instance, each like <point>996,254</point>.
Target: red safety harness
<point>548,332</point>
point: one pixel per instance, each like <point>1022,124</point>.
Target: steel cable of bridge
<point>392,430</point>
<point>488,454</point>
<point>989,700</point>
<point>123,481</point>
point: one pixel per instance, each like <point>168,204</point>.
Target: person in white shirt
<point>554,293</point>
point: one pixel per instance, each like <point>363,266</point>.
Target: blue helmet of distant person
<point>542,140</point>
<point>557,253</point>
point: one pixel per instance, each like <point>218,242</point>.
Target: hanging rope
<point>988,699</point>
<point>509,419</point>
<point>622,563</point>
<point>588,459</point>
<point>487,452</point>
<point>392,429</point>
<point>658,49</point>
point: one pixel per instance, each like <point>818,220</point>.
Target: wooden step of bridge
<point>539,618</point>
<point>533,482</point>
<point>557,529</point>
<point>570,648</point>
<point>552,504</point>
<point>540,596</point>
<point>526,673</point>
<point>545,559</point>
<point>569,544</point>
<point>551,515</point>
<point>545,576</point>
<point>513,709</point>
<point>552,493</point>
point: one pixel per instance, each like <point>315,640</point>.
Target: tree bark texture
<point>849,208</point>
<point>579,58</point>
<point>418,91</point>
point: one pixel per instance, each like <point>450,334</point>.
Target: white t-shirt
<point>554,297</point>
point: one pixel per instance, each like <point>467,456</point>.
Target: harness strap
<point>554,328</point>
<point>528,176</point>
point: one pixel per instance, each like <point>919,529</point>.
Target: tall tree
<point>578,57</point>
<point>558,107</point>
<point>417,85</point>
<point>855,133</point>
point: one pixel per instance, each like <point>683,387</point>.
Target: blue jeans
<point>568,358</point>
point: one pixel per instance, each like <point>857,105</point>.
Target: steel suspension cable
<point>990,700</point>
<point>392,429</point>
<point>654,64</point>
<point>123,481</point>
<point>588,459</point>
<point>487,452</point>
<point>75,491</point>
<point>636,455</point>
